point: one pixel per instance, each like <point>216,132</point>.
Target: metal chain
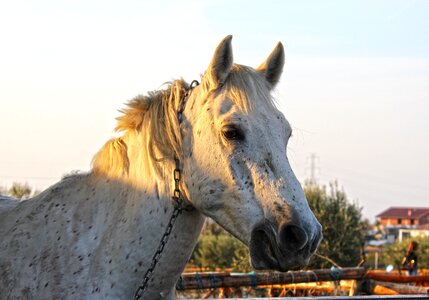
<point>179,207</point>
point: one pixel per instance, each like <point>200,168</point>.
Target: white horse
<point>94,236</point>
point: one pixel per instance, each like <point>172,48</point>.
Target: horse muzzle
<point>288,248</point>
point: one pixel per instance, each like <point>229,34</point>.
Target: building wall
<point>395,222</point>
<point>412,233</point>
<point>424,220</point>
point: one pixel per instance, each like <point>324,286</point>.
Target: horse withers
<point>221,145</point>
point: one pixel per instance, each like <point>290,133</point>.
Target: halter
<point>179,204</point>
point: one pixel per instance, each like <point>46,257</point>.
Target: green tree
<point>216,248</point>
<point>393,254</point>
<point>20,191</point>
<point>343,227</point>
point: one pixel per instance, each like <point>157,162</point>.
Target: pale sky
<point>355,86</point>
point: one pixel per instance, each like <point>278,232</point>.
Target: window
<point>399,221</point>
<point>406,234</point>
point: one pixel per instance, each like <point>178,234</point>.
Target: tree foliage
<point>216,248</point>
<point>393,254</point>
<point>19,191</point>
<point>343,227</point>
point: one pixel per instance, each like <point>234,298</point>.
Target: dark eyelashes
<point>232,133</point>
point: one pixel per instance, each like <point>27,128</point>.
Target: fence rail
<point>372,282</point>
<point>397,278</point>
<point>371,297</point>
<point>190,281</point>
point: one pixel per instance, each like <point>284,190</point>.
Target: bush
<point>216,248</point>
<point>343,227</point>
<point>20,191</point>
<point>393,254</point>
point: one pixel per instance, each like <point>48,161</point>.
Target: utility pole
<point>313,159</point>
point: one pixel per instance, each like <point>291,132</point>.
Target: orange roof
<point>404,212</point>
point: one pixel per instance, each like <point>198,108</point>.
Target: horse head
<point>235,165</point>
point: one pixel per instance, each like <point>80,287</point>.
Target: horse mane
<point>156,113</point>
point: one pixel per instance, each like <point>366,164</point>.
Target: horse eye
<point>230,132</point>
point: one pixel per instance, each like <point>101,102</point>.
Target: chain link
<point>179,207</point>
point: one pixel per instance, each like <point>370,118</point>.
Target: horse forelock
<point>246,87</point>
<point>155,117</point>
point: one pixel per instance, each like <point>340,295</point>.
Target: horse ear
<point>221,63</point>
<point>272,67</point>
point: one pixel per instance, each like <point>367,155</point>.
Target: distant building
<point>404,217</point>
<point>419,231</point>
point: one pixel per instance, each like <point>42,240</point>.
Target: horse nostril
<point>292,237</point>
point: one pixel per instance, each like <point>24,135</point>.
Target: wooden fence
<point>372,297</point>
<point>369,282</point>
<point>190,281</point>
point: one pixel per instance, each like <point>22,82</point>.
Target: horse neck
<point>147,206</point>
